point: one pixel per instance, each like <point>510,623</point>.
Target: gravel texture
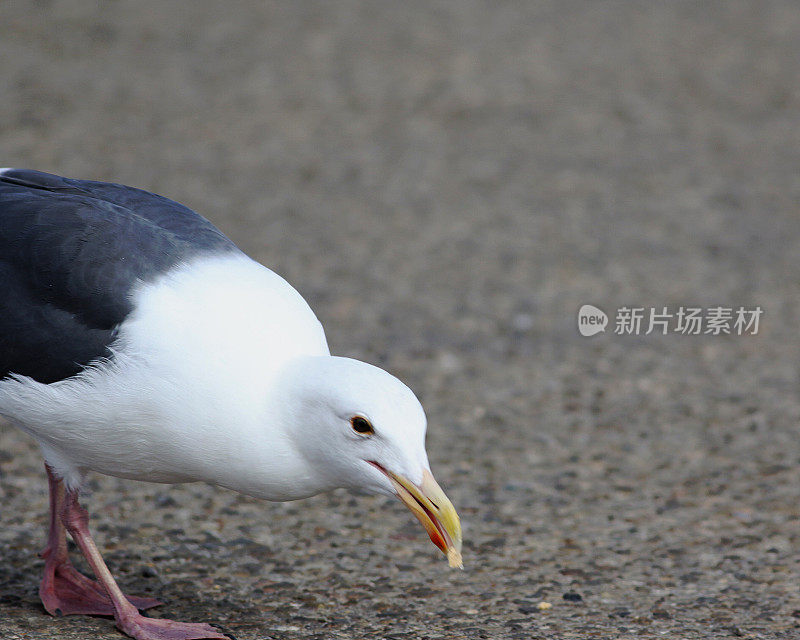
<point>446,183</point>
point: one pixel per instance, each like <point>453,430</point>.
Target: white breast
<point>186,396</point>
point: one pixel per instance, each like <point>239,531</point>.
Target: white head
<point>358,427</point>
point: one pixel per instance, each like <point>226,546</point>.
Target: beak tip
<point>454,558</point>
<point>434,510</point>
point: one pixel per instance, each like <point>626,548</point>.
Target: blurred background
<point>447,183</point>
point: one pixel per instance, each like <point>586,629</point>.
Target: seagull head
<point>358,427</point>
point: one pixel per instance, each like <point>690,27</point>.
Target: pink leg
<point>128,619</point>
<point>64,590</point>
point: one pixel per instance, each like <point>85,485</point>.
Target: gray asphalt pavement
<point>447,183</point>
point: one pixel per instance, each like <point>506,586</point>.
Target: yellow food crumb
<point>544,606</point>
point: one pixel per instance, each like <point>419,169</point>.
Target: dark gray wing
<point>70,253</point>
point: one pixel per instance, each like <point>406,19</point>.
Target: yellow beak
<point>434,510</point>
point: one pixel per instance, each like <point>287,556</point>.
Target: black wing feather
<point>70,253</point>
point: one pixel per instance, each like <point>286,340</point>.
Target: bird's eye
<point>361,425</point>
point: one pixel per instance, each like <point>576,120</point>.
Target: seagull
<point>138,341</point>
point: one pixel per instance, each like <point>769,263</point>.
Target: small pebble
<point>544,606</point>
<point>522,322</point>
<point>149,571</point>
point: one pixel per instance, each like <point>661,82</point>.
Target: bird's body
<point>186,379</point>
<point>136,340</point>
<point>185,396</point>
